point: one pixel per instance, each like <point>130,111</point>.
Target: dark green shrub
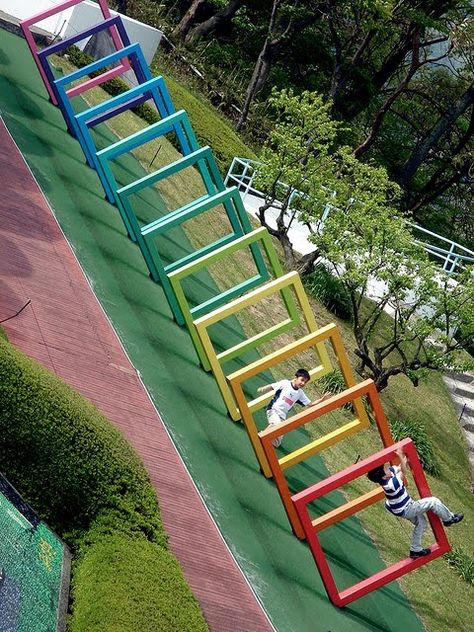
<point>462,562</point>
<point>329,291</point>
<point>333,382</point>
<point>403,428</point>
<point>125,585</point>
<point>83,478</point>
<point>49,433</point>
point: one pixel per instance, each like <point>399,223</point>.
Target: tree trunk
<point>442,125</point>
<point>354,101</point>
<point>215,23</point>
<point>261,68</point>
<point>189,19</point>
<point>380,116</point>
<point>272,49</point>
<point>306,263</point>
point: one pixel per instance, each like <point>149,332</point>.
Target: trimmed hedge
<point>86,481</point>
<point>118,575</point>
<point>50,433</point>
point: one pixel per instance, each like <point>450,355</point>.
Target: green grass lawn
<point>441,598</point>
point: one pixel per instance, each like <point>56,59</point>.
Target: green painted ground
<point>245,506</point>
<point>32,558</point>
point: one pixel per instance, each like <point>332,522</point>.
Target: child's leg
<point>274,418</point>
<point>415,512</point>
<point>436,506</point>
<point>420,522</point>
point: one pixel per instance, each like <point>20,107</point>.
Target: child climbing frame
<point>351,395</point>
<point>364,587</point>
<point>316,341</point>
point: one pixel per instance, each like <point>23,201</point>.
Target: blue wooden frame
<point>177,121</point>
<point>155,89</point>
<point>137,62</point>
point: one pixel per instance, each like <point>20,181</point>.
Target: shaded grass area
<point>428,406</point>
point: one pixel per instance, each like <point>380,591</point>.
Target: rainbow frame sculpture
<point>316,340</point>
<point>177,122</point>
<point>389,574</point>
<point>134,55</point>
<point>283,286</point>
<point>154,89</point>
<point>146,236</point>
<point>27,23</point>
<point>278,466</point>
<point>250,241</point>
<point>53,49</point>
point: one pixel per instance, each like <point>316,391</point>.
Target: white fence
<point>449,253</point>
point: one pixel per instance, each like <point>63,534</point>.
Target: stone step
<point>461,377</point>
<point>465,392</point>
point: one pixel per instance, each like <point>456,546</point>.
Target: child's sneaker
<point>276,443</point>
<point>457,517</point>
<point>422,553</point>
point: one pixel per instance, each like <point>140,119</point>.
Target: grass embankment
<point>86,481</point>
<point>439,595</point>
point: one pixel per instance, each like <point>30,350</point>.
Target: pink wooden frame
<point>29,22</point>
<point>389,574</point>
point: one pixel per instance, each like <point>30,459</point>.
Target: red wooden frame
<point>389,574</point>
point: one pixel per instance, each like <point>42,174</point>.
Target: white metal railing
<point>242,172</point>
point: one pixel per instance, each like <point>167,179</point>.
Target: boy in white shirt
<point>287,393</point>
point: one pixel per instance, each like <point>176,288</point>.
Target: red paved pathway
<point>66,330</point>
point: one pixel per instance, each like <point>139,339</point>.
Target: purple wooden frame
<point>29,22</point>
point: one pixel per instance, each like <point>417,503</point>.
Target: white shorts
<point>273,419</point>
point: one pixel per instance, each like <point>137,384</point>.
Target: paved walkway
<point>66,330</point>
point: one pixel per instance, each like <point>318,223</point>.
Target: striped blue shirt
<point>396,495</point>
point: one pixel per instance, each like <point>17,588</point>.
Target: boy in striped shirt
<point>400,503</point>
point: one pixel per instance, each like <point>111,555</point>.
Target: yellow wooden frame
<point>329,333</point>
<point>282,284</point>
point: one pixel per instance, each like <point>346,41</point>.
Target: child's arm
<point>403,463</point>
<point>265,389</point>
<point>325,396</point>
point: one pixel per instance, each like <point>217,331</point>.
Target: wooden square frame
<point>277,466</point>
<point>389,574</point>
<point>27,23</point>
<point>282,285</point>
<point>315,340</point>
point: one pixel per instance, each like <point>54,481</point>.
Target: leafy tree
<point>295,164</point>
<point>286,17</point>
<point>368,246</point>
<point>366,243</point>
